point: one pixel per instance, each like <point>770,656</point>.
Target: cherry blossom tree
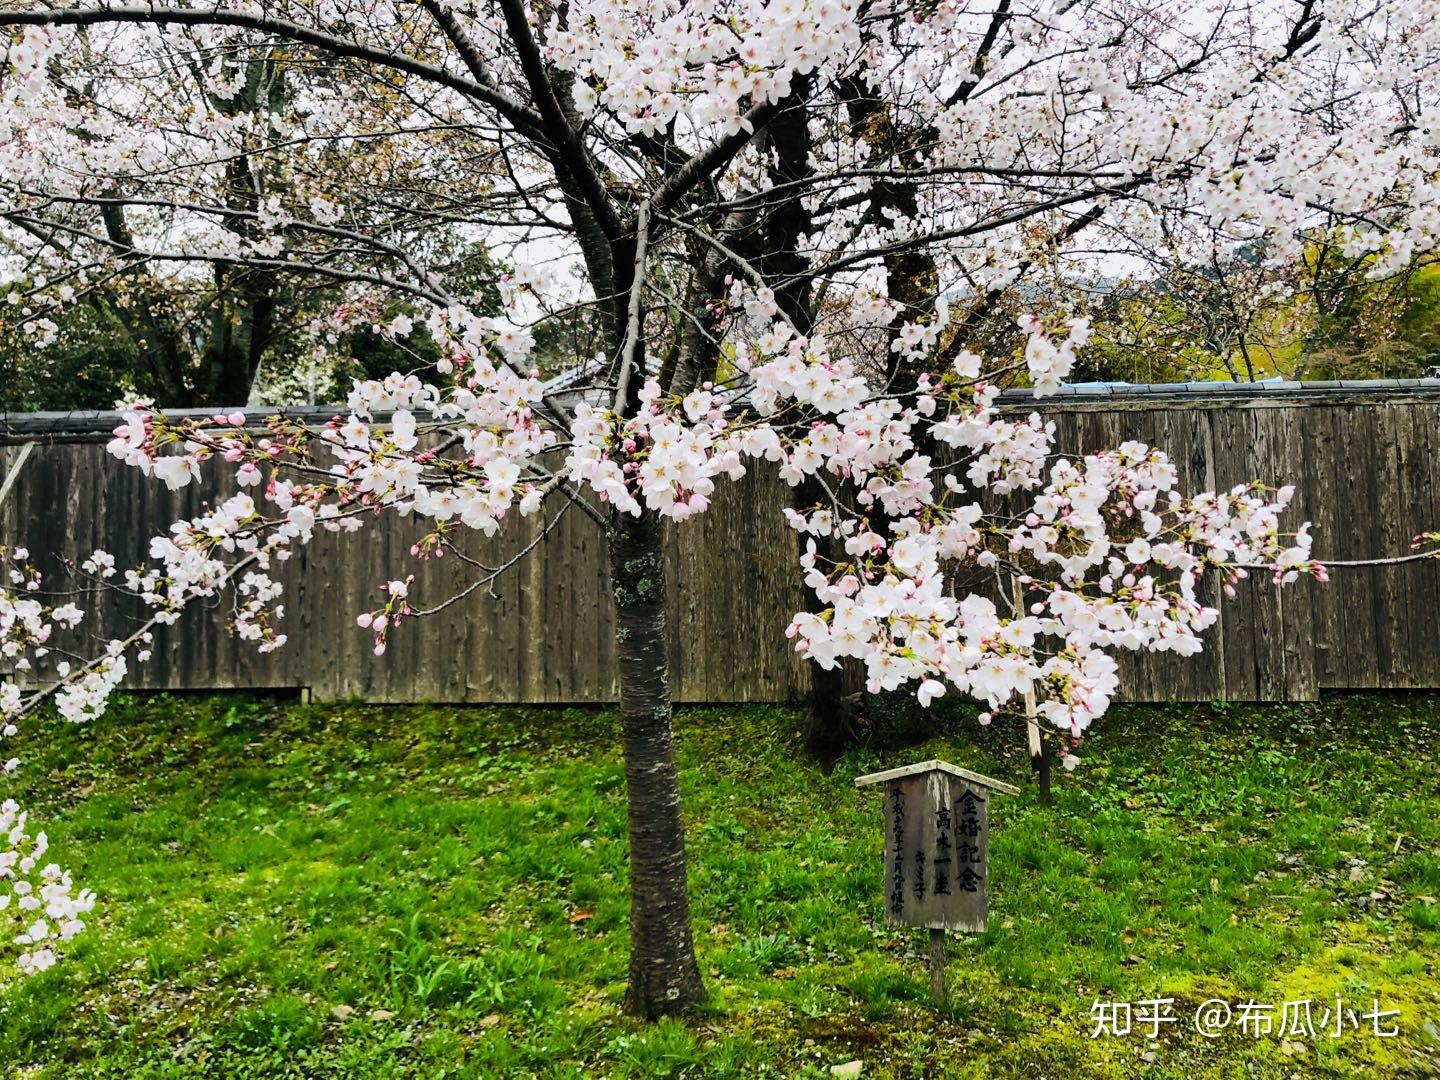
<point>790,229</point>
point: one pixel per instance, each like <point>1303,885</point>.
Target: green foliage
<point>175,343</point>
<point>359,891</point>
<point>93,362</point>
<point>1419,325</point>
<point>1325,319</point>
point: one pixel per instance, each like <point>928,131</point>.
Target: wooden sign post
<point>937,851</point>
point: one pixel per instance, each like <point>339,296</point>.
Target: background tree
<point>1234,312</point>
<point>112,287</point>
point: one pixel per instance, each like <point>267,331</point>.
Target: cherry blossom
<point>806,236</point>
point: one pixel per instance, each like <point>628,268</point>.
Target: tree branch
<point>634,311</point>
<point>526,120</point>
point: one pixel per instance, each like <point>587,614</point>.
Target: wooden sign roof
<point>935,765</point>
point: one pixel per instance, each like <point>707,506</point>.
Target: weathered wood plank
<point>1366,469</point>
<point>1390,513</point>
<point>1420,431</point>
<point>1296,599</point>
<point>1320,494</point>
<point>1238,627</point>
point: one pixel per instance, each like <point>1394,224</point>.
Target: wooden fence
<point>1364,456</point>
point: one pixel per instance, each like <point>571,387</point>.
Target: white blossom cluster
<point>40,909</point>
<point>1110,553</point>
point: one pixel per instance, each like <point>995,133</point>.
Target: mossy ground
<point>456,877</point>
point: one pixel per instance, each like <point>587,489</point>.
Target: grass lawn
<point>358,891</point>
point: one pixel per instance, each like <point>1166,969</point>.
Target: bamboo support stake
<point>26,449</point>
<point>1039,747</point>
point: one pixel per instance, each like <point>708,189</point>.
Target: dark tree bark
<point>911,278</point>
<point>243,314</point>
<point>830,715</point>
<point>664,976</point>
<point>832,718</point>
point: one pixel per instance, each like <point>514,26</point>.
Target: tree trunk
<point>664,977</point>
<point>832,716</point>
<point>831,713</point>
